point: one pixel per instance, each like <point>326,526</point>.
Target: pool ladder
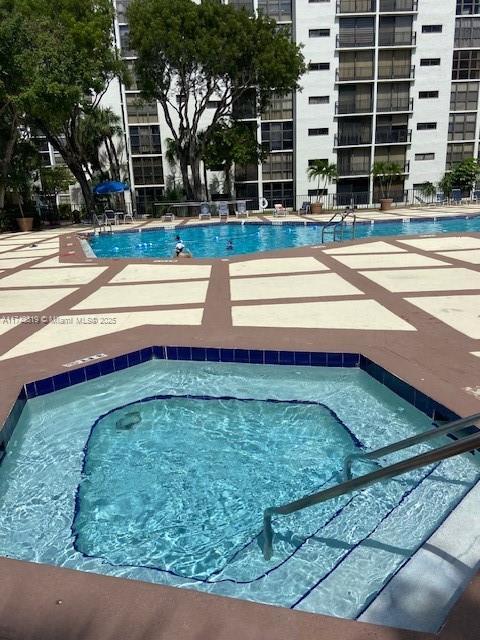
<point>462,445</point>
<point>337,223</point>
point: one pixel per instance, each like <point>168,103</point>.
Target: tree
<point>190,54</point>
<point>69,62</point>
<point>322,170</point>
<point>232,143</point>
<point>428,190</point>
<point>19,178</point>
<point>385,172</point>
<point>98,132</point>
<point>464,174</point>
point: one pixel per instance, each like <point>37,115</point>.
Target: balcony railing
<point>349,74</point>
<point>355,39</point>
<point>406,166</point>
<point>351,139</point>
<point>386,135</point>
<point>360,168</point>
<point>392,6</point>
<point>466,42</point>
<point>396,39</point>
<point>360,105</point>
<point>356,6</point>
<point>394,103</point>
<point>396,71</point>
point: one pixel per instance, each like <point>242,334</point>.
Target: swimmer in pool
<point>229,246</point>
<point>179,247</point>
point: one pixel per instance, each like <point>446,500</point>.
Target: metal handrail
<point>443,453</point>
<point>450,427</point>
<point>335,223</point>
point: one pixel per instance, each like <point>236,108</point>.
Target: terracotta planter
<point>25,224</point>
<point>386,204</point>
<point>316,208</point>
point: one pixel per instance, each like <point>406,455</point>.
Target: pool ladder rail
<point>338,222</point>
<point>462,445</point>
<point>99,223</point>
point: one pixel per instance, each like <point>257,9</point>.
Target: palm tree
<point>385,172</point>
<point>97,131</point>
<point>322,170</point>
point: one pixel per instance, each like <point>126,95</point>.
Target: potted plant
<point>25,223</point>
<point>321,170</point>
<point>385,173</point>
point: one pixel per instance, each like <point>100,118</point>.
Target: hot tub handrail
<point>450,427</point>
<point>442,453</point>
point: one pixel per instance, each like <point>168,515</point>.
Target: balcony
<point>356,6</point>
<point>398,6</point>
<point>394,103</point>
<point>349,74</point>
<point>396,39</point>
<point>354,39</point>
<point>353,139</point>
<point>359,168</point>
<point>387,135</point>
<point>360,105</point>
<point>396,71</point>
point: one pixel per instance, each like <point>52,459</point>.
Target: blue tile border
<point>63,380</point>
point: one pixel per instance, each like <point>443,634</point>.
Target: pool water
<point>210,241</point>
<point>161,473</point>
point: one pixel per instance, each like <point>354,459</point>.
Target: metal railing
<point>347,74</point>
<point>338,221</point>
<point>393,103</point>
<point>392,136</point>
<point>356,6</point>
<point>362,169</point>
<point>355,39</point>
<point>395,71</point>
<point>470,443</point>
<point>396,39</point>
<point>351,139</point>
<point>392,6</point>
<point>360,105</point>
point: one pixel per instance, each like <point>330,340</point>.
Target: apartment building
<point>387,80</point>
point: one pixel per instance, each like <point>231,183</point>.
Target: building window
<point>242,4</point>
<point>318,33</point>
<point>464,96</point>
<point>278,192</point>
<point>427,94</point>
<point>246,172</point>
<point>468,7</point>
<point>278,166</point>
<point>432,28</point>
<point>212,104</point>
<point>280,107</point>
<point>145,139</point>
<point>318,132</point>
<point>148,170</point>
<point>315,160</point>
<point>426,126</point>
<point>318,99</point>
<point>140,111</point>
<point>279,10</point>
<point>467,32</point>
<point>146,197</point>
<point>122,6</point>
<point>246,105</point>
<point>466,65</point>
<point>125,42</point>
<point>461,126</point>
<point>429,62</point>
<point>248,191</point>
<point>424,156</point>
<point>319,66</point>
<point>458,153</point>
<point>277,136</point>
<point>317,192</point>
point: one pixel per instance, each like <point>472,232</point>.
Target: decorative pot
<point>316,208</point>
<point>386,204</point>
<point>25,224</point>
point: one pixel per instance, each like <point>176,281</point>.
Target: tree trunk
<point>196,180</point>
<point>87,194</point>
<point>228,179</point>
<point>6,160</point>
<point>185,178</point>
<point>205,179</point>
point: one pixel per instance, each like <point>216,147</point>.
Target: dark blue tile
<point>61,381</point>
<point>77,375</point>
<point>213,355</point>
<point>271,357</point>
<point>198,354</point>
<point>241,355</point>
<point>286,357</point>
<point>44,386</point>
<point>334,360</point>
<point>302,358</point>
<point>146,354</point>
<point>30,390</point>
<point>93,371</point>
<point>172,353</point>
<point>184,353</point>
<point>351,360</point>
<point>120,362</point>
<point>375,371</point>
<point>363,362</point>
<point>226,355</point>
<point>133,358</point>
<point>423,403</point>
<point>23,394</point>
<point>159,353</point>
<point>318,359</point>
<point>400,387</point>
<point>106,366</point>
<point>442,414</point>
<point>255,356</point>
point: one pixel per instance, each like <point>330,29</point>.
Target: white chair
<point>241,209</point>
<point>168,217</point>
<point>223,212</point>
<point>204,211</point>
<point>279,210</point>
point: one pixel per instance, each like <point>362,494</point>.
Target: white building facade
<point>388,80</point>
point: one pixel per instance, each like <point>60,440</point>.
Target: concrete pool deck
<point>410,304</point>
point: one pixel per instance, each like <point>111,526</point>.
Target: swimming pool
<point>210,241</point>
<point>178,498</point>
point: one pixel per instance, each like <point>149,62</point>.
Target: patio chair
<point>475,197</point>
<point>456,196</point>
<point>223,212</point>
<point>241,209</point>
<point>440,198</point>
<point>305,208</point>
<point>423,202</point>
<point>204,211</point>
<point>109,216</point>
<point>279,210</point>
<point>168,216</point>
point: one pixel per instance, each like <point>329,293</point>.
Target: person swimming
<point>229,246</point>
<point>179,247</point>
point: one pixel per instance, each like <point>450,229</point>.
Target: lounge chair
<point>424,202</point>
<point>241,209</point>
<point>279,210</point>
<point>110,217</point>
<point>204,211</point>
<point>475,196</point>
<point>168,217</point>
<point>305,208</point>
<point>440,198</point>
<point>456,196</point>
<point>222,208</point>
